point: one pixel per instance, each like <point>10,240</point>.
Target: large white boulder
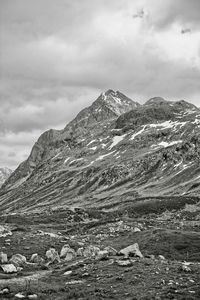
<point>18,260</point>
<point>132,250</point>
<point>67,253</point>
<point>9,268</point>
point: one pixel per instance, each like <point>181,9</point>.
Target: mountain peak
<point>115,101</point>
<point>109,92</point>
<point>156,100</point>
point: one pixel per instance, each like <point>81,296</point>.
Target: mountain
<point>114,152</point>
<point>4,174</point>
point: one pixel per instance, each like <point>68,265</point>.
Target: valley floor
<point>169,241</point>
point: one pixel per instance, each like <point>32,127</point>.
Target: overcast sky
<point>56,57</point>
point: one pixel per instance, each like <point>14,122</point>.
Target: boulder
<point>79,252</point>
<point>3,258</point>
<point>52,255</point>
<point>132,250</point>
<point>69,256</point>
<point>9,268</point>
<point>91,251</point>
<point>67,253</point>
<point>111,250</point>
<point>102,254</point>
<point>18,260</point>
<point>35,258</point>
<point>136,229</point>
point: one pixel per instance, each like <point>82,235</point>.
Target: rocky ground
<point>79,254</point>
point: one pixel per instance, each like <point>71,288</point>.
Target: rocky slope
<point>4,174</point>
<point>114,152</point>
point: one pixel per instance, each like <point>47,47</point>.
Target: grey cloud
<point>57,56</point>
<point>43,112</point>
<point>11,154</point>
<point>165,13</point>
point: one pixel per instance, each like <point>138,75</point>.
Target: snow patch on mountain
<point>104,155</point>
<point>91,142</point>
<point>93,148</point>
<point>138,133</point>
<point>75,160</point>
<point>167,124</point>
<point>116,140</point>
<point>167,144</point>
<point>66,160</point>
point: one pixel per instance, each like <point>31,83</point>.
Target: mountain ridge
<point>110,153</point>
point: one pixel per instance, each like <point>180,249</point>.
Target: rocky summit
<point>108,207</point>
<point>113,153</point>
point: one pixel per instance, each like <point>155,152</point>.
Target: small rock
<point>124,263</point>
<point>27,248</point>
<point>85,274</point>
<point>3,258</point>
<point>185,268</point>
<point>9,268</point>
<point>20,296</point>
<point>67,273</point>
<point>132,250</point>
<point>74,282</point>
<point>161,257</point>
<point>136,229</point>
<point>32,297</point>
<point>18,260</point>
<point>4,291</point>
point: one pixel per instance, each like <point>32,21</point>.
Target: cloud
<point>163,14</point>
<point>56,57</point>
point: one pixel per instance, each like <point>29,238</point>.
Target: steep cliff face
<point>113,151</point>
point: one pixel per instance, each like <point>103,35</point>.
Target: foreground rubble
<point>103,258</point>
